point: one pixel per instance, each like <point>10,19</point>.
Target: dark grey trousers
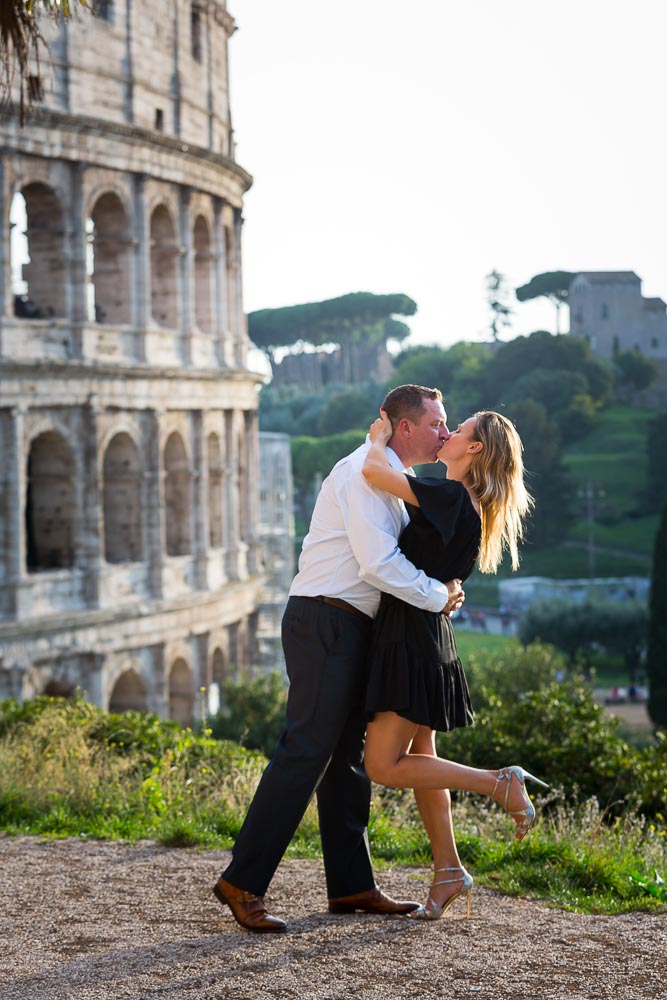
<point>320,751</point>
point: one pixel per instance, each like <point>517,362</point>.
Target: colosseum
<point>129,558</point>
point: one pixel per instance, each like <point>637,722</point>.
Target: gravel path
<point>107,921</point>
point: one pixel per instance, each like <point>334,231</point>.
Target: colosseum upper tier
<point>129,561</point>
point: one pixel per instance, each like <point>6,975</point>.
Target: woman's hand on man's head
<point>381,429</point>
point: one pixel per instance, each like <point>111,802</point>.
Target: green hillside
<point>612,462</point>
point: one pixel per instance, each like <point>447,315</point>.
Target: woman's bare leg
<point>435,809</point>
<point>387,760</point>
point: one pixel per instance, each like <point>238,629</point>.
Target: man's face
<point>428,435</point>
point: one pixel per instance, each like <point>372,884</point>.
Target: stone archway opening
<point>37,252</point>
<point>128,693</point>
<point>122,479</point>
<point>203,263</point>
<point>108,264</point>
<point>215,492</point>
<point>177,497</point>
<point>164,269</point>
<point>181,692</point>
<point>50,514</point>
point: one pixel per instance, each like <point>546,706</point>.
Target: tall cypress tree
<point>656,658</point>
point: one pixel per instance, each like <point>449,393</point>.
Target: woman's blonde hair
<point>496,478</point>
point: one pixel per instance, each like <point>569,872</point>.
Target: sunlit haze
<point>415,147</point>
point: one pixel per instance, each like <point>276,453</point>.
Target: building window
<point>159,119</point>
<point>103,9</point>
<point>195,34</point>
<point>604,311</point>
<point>654,341</point>
<point>35,89</point>
<point>579,316</point>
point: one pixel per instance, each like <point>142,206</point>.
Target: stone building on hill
<point>609,310</point>
<point>129,505</point>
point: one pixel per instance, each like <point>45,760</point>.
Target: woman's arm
<point>377,470</point>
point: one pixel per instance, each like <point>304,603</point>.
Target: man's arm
<point>371,525</point>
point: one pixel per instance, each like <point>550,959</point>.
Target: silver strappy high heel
<point>527,814</point>
<point>432,910</point>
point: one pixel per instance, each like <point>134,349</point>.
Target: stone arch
<point>109,245</point>
<point>215,491</point>
<point>39,276</point>
<point>128,693</point>
<point>164,268</point>
<point>181,692</point>
<point>50,511</point>
<point>122,500</point>
<point>219,678</point>
<point>203,283</point>
<point>177,496</point>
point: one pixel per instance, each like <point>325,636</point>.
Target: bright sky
<point>415,146</point>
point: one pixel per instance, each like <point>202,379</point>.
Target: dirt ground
<point>86,920</point>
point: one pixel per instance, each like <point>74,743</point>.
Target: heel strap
<point>449,881</point>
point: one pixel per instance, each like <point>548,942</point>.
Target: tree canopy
<point>356,316</point>
<point>656,655</point>
<point>553,285</point>
<point>21,41</point>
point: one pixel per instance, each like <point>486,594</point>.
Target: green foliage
<point>563,394</point>
<point>542,350</point>
<point>580,629</point>
<point>556,730</point>
<point>656,657</point>
<point>348,410</point>
<point>254,714</point>
<point>554,285</point>
<point>457,371</point>
<point>548,479</point>
<point>497,296</point>
<point>633,370</point>
<point>349,317</point>
<point>656,447</point>
<point>313,459</point>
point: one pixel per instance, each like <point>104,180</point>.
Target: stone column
<point>75,260</point>
<point>89,541</point>
<point>252,486</point>
<point>231,497</point>
<point>240,337</point>
<point>127,66</point>
<point>219,283</point>
<point>186,298</point>
<point>5,252</point>
<point>141,270</point>
<point>16,495</point>
<point>154,505</point>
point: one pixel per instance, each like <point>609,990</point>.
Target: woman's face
<point>457,446</point>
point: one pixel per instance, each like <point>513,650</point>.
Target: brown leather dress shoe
<point>248,910</point>
<point>371,901</point>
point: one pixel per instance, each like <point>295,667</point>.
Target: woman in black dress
<point>417,685</point>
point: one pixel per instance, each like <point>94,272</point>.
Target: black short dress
<point>415,670</point>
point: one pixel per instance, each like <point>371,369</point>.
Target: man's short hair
<point>408,401</point>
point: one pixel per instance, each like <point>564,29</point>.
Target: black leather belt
<point>338,602</point>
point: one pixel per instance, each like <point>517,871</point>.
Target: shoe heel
<point>469,904</point>
<point>531,777</point>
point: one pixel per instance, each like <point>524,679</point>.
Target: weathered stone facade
<point>276,531</point>
<point>129,502</point>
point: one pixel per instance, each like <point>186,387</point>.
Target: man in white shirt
<point>349,555</point>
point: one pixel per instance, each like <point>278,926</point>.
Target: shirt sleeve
<point>373,521</point>
<point>440,501</point>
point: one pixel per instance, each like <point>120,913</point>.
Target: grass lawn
<point>480,642</point>
<point>613,459</point>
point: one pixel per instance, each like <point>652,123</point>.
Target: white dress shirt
<point>351,550</point>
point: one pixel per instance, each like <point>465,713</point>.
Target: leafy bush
<point>578,629</point>
<point>556,730</point>
<point>255,713</point>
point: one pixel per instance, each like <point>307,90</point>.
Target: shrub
<point>255,713</point>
